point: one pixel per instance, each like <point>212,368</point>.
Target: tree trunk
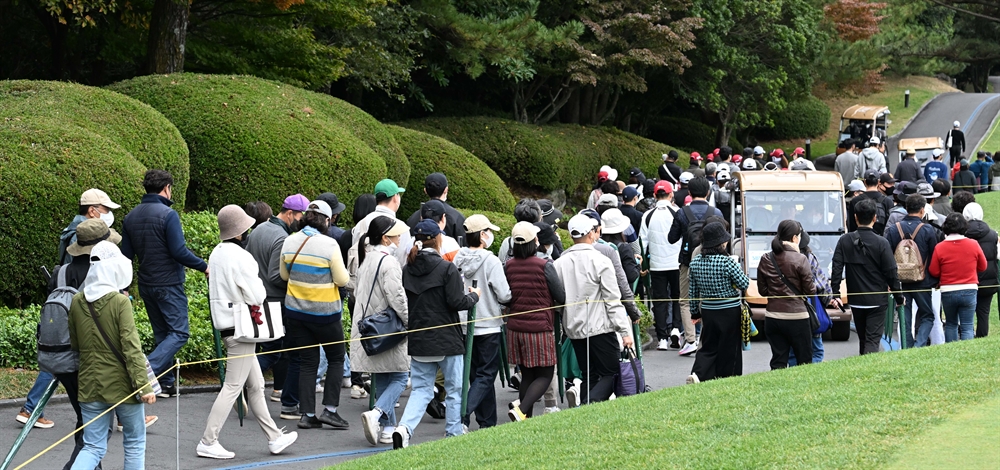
<point>167,33</point>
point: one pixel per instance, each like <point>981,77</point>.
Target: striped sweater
<point>313,280</point>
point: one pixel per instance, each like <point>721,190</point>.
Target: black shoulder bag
<point>382,330</point>
<point>813,319</point>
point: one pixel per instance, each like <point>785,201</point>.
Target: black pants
<point>870,323</point>
<point>300,333</point>
<point>482,379</point>
<point>599,367</point>
<point>984,300</point>
<point>666,315</point>
<point>534,382</point>
<point>71,383</point>
<point>721,353</point>
<point>789,334</point>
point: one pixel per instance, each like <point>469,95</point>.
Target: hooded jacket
<point>987,238</point>
<point>593,305</point>
<point>483,266</point>
<point>964,180</point>
<point>870,158</point>
<point>434,295</point>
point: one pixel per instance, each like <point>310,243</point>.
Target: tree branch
<point>968,12</point>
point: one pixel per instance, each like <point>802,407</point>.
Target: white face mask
<point>776,159</point>
<point>488,241</point>
<point>108,218</point>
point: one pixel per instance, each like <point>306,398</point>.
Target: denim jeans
<point>37,390</point>
<point>482,379</point>
<point>95,437</point>
<point>925,318</point>
<point>818,352</point>
<point>168,315</point>
<point>959,314</point>
<point>422,375</point>
<point>388,387</point>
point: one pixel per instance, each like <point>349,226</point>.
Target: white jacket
<point>234,281</point>
<point>663,255</point>
<point>593,301</point>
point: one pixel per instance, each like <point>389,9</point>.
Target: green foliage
<point>562,156</point>
<point>254,139</point>
<point>685,134</point>
<point>803,118</point>
<point>470,182</point>
<point>201,232</point>
<point>18,328</point>
<point>56,141</point>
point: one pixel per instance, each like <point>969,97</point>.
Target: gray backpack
<point>54,353</point>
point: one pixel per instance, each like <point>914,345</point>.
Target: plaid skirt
<point>531,349</point>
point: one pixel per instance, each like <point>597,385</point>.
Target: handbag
<point>150,375</point>
<point>825,323</point>
<point>382,330</point>
<point>247,330</point>
<point>631,380</point>
<point>813,320</point>
<point>569,367</point>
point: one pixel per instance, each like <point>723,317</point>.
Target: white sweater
<point>233,281</point>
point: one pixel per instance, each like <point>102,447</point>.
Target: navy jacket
<point>680,225</point>
<point>926,240</point>
<point>151,235</point>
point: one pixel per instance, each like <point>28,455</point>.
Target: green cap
<point>388,187</point>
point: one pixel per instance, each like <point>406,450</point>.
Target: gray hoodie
<point>483,266</point>
<point>870,158</point>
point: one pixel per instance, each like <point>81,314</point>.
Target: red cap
<point>687,200</point>
<point>695,156</point>
<point>602,176</point>
<point>737,159</point>
<point>715,152</point>
<point>799,151</point>
<point>777,153</point>
<point>663,185</point>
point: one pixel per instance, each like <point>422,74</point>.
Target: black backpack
<point>54,353</point>
<point>692,237</point>
<point>881,215</point>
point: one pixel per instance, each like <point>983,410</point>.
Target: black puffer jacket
<point>434,295</point>
<point>987,238</point>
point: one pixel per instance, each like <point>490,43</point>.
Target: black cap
<point>435,183</point>
<point>672,155</point>
<point>635,172</point>
<point>871,177</point>
<point>886,178</point>
<point>546,236</point>
<point>332,200</point>
<point>432,208</point>
<point>550,215</point>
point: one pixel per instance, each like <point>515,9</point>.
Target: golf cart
<point>762,199</point>
<point>864,121</point>
<point>924,147</point>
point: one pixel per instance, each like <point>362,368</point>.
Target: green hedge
<point>560,156</point>
<point>470,182</point>
<point>56,141</point>
<point>687,134</point>
<point>255,139</point>
<point>809,117</point>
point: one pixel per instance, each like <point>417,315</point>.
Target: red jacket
<point>952,259</point>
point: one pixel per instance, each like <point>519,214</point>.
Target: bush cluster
<point>686,134</point>
<point>56,141</point>
<point>470,182</point>
<point>808,117</point>
<point>560,156</point>
<point>255,139</point>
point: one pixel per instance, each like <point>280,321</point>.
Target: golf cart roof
<point>865,112</point>
<point>921,143</point>
<point>790,181</point>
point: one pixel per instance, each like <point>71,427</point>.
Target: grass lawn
<point>851,413</point>
<point>992,142</point>
<point>965,441</point>
<point>921,89</point>
<point>991,208</point>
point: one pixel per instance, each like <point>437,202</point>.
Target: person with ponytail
<point>434,295</point>
<point>380,286</point>
<point>787,320</point>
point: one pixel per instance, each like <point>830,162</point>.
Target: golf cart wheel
<point>840,331</point>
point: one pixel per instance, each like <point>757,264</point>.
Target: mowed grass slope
<point>851,413</point>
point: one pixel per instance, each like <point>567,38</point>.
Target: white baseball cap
<point>580,225</point>
<point>875,140</point>
<point>938,152</point>
<point>749,164</point>
<point>686,177</point>
<point>612,173</point>
<point>956,124</point>
<point>758,150</point>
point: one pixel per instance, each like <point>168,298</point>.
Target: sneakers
<point>692,379</point>
<point>515,413</point>
<point>358,392</point>
<point>385,437</point>
<point>214,451</point>
<point>167,392</point>
<point>333,419</point>
<point>149,422</point>
<point>573,396</point>
<point>345,383</point>
<point>310,422</point>
<point>276,395</point>
<point>515,381</point>
<point>515,403</point>
<point>550,409</point>
<point>662,345</point>
<point>286,439</point>
<point>41,423</point>
<point>290,412</point>
<point>320,388</point>
<point>400,438</point>
<point>675,339</point>
<point>369,423</point>
<point>688,349</point>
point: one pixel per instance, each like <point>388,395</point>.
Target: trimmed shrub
<point>470,182</point>
<point>560,156</point>
<point>254,139</point>
<point>56,141</point>
<point>809,117</point>
<point>687,134</point>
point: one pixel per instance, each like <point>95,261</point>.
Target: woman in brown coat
<point>787,320</point>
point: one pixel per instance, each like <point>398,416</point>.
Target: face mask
<point>108,218</point>
<point>888,191</point>
<point>776,159</point>
<point>488,241</point>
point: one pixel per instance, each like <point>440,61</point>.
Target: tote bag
<point>249,331</point>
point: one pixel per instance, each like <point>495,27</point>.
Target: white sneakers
<point>688,349</point>
<point>358,392</point>
<point>550,409</point>
<point>675,339</point>
<point>662,345</point>
<point>692,379</point>
<point>214,451</point>
<point>286,439</point>
<point>369,423</point>
<point>385,437</point>
<point>400,438</point>
<point>573,396</point>
<point>345,383</point>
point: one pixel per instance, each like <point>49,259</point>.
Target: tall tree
<point>167,34</point>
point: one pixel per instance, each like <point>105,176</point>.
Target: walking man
<point>912,227</point>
